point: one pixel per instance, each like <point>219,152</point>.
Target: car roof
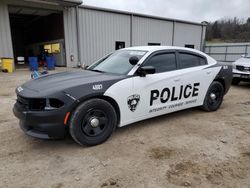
<point>157,48</point>
<point>152,49</point>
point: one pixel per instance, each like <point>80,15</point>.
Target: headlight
<point>234,66</point>
<point>52,104</point>
<point>45,104</point>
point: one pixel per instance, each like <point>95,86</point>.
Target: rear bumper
<point>41,124</point>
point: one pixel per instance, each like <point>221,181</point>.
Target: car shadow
<point>159,119</point>
<point>245,85</point>
<point>68,141</point>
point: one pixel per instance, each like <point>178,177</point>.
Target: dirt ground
<point>190,148</point>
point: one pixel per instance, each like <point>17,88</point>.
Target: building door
<point>37,32</point>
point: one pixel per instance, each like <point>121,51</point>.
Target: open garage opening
<point>37,33</point>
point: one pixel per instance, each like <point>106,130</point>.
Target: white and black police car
<point>241,70</point>
<point>127,86</point>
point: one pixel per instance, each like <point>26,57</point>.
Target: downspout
<point>131,30</point>
<point>173,33</point>
<point>79,64</point>
<point>203,36</point>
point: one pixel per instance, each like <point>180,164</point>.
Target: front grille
<point>243,68</point>
<point>31,104</point>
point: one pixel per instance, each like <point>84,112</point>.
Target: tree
<point>216,30</point>
<point>229,30</point>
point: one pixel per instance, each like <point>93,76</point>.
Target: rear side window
<point>190,60</point>
<point>203,61</point>
<point>163,62</point>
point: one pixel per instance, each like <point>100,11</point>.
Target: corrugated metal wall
<point>148,30</point>
<point>6,49</point>
<point>99,31</point>
<point>227,52</point>
<point>70,32</point>
<point>187,34</point>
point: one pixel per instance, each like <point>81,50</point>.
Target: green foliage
<point>229,30</point>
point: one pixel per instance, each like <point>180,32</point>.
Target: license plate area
<point>245,76</point>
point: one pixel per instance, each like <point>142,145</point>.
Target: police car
<point>124,87</point>
<point>241,70</point>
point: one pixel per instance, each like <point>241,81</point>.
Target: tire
<point>214,97</point>
<point>235,82</point>
<point>93,122</point>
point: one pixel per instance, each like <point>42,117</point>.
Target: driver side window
<point>163,62</point>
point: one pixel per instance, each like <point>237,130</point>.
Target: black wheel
<point>214,97</point>
<point>235,81</point>
<point>93,122</point>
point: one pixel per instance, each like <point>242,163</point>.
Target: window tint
<point>163,62</point>
<point>189,60</point>
<point>203,61</point>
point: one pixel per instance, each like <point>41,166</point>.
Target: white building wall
<point>99,30</point>
<point>187,34</point>
<point>148,30</point>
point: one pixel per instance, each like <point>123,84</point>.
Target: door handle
<point>208,72</point>
<point>177,80</point>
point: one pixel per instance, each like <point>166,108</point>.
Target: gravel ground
<point>190,148</point>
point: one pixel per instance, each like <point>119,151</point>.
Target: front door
<point>158,91</point>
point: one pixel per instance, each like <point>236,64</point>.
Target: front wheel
<point>214,97</point>
<point>93,122</point>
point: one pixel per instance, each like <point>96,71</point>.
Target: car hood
<point>52,83</point>
<point>243,62</point>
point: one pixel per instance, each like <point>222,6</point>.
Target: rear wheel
<point>93,122</point>
<point>235,81</point>
<point>214,97</point>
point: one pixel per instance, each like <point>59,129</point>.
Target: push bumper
<point>41,124</point>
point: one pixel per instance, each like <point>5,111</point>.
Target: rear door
<point>195,78</point>
<point>181,81</point>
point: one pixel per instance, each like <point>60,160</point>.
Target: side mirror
<point>143,71</point>
<point>133,60</point>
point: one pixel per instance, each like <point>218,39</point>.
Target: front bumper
<point>41,124</point>
<point>241,76</point>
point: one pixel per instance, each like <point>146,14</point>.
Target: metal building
<point>77,34</point>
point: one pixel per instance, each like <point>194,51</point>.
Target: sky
<point>190,10</point>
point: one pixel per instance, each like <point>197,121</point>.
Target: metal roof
<point>57,2</point>
<point>19,10</point>
<point>140,15</point>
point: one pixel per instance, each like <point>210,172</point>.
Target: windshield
<point>117,63</point>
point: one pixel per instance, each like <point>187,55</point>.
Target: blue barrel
<point>33,63</point>
<point>50,62</point>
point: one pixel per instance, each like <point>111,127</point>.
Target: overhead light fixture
<point>43,2</point>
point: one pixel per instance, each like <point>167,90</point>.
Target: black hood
<point>49,84</point>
